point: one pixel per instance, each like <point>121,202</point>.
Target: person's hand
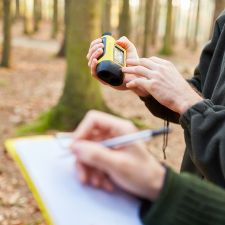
<point>97,126</point>
<point>130,167</point>
<point>96,50</point>
<point>161,79</point>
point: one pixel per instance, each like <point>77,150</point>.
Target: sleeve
<point>187,200</point>
<point>197,81</point>
<point>206,57</point>
<point>159,110</point>
<point>204,129</point>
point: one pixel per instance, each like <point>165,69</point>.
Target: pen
<point>120,140</point>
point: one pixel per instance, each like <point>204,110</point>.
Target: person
<point>197,104</point>
<point>167,198</point>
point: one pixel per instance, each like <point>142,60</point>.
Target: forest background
<point>45,84</point>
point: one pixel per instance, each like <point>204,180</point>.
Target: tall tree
<point>188,25</point>
<point>55,19</point>
<point>125,20</point>
<point>167,43</point>
<point>195,41</point>
<point>219,7</point>
<point>1,9</point>
<point>17,12</point>
<point>27,17</point>
<point>81,92</point>
<point>37,14</point>
<point>154,31</point>
<point>147,26</point>
<point>62,50</point>
<point>139,24</point>
<point>6,33</point>
<point>106,16</point>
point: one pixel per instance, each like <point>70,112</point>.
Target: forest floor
<point>32,85</point>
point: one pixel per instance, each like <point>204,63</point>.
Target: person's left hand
<point>161,79</point>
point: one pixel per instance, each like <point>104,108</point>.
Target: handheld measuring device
<point>109,67</point>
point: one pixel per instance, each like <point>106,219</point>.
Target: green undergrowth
<point>46,122</point>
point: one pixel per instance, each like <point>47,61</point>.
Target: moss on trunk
<point>81,92</point>
<point>6,33</point>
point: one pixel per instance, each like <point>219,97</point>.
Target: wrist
<point>156,186</point>
<point>188,103</point>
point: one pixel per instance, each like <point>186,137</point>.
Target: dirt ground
<point>32,85</point>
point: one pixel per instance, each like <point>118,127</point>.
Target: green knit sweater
<point>187,200</point>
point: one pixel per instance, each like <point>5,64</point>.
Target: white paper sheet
<point>68,202</point>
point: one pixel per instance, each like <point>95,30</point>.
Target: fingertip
<point>130,84</point>
<point>95,181</point>
<point>81,173</point>
<point>108,186</point>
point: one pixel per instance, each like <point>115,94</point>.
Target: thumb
<point>139,83</point>
<point>124,42</point>
<point>94,155</point>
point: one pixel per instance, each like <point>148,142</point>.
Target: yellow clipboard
<point>10,148</point>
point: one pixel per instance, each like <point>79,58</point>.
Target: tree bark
<point>219,7</point>
<point>27,17</point>
<point>55,20</point>
<point>155,22</point>
<point>147,26</point>
<point>81,92</point>
<point>37,14</point>
<point>62,50</point>
<point>6,33</point>
<point>195,41</point>
<point>125,20</point>
<point>167,43</point>
<point>188,25</point>
<point>106,16</point>
<point>17,12</point>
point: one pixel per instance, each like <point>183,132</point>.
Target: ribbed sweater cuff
<point>199,108</point>
<point>186,200</point>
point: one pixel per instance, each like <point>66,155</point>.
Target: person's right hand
<point>131,166</point>
<point>97,126</point>
<point>96,50</point>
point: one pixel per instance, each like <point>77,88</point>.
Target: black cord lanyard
<point>165,138</point>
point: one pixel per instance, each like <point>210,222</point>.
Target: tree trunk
<point>155,22</point>
<point>147,26</point>
<point>167,43</point>
<point>176,19</point>
<point>55,20</point>
<point>139,34</point>
<point>195,42</point>
<point>219,7</point>
<point>62,50</point>
<point>81,92</point>
<point>106,16</point>
<point>37,14</point>
<point>125,20</point>
<point>17,12</point>
<point>187,38</point>
<point>28,23</point>
<point>1,9</point>
<point>6,33</point>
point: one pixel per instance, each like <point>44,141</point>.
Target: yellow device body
<point>109,67</point>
